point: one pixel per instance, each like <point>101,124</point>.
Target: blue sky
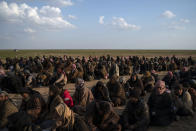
<point>98,24</point>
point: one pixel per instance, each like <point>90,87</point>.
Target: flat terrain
<point>147,53</point>
<point>185,124</point>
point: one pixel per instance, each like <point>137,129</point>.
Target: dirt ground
<point>185,124</point>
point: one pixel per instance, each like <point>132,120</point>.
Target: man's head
<point>122,80</point>
<point>73,66</point>
<point>79,83</point>
<point>147,74</point>
<point>135,95</point>
<point>54,90</point>
<point>160,87</point>
<point>114,78</point>
<point>99,85</point>
<point>170,74</point>
<point>178,89</point>
<point>134,77</point>
<point>3,96</point>
<point>24,92</point>
<point>25,95</point>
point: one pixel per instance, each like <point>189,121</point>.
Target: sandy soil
<point>185,124</point>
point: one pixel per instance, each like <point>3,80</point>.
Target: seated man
<point>182,101</point>
<point>170,79</point>
<point>134,82</point>
<point>6,108</point>
<point>148,81</point>
<point>192,92</point>
<point>64,119</point>
<point>136,114</point>
<point>117,92</point>
<point>82,97</point>
<point>22,121</point>
<point>32,100</point>
<point>100,92</point>
<point>61,78</point>
<point>160,105</point>
<point>100,116</point>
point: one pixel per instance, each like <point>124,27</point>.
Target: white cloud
<point>101,18</point>
<point>185,20</point>
<point>50,11</point>
<point>120,22</point>
<point>168,14</point>
<point>72,17</point>
<point>176,27</point>
<point>29,30</point>
<point>64,2</point>
<point>46,16</point>
<point>60,3</point>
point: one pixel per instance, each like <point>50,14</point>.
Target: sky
<point>98,24</point>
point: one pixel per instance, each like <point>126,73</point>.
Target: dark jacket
<point>105,121</point>
<point>117,93</point>
<point>160,107</point>
<point>35,101</point>
<point>7,108</point>
<point>137,115</point>
<point>101,93</point>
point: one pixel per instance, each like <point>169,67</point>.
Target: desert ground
<point>185,124</point>
<point>96,52</point>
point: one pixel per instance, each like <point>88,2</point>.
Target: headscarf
<point>122,79</point>
<point>55,90</point>
<point>147,74</point>
<point>74,66</point>
<point>170,73</point>
<point>4,93</point>
<point>160,83</point>
<point>79,83</point>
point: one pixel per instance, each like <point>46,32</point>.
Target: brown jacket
<point>6,109</point>
<point>105,121</point>
<point>83,97</point>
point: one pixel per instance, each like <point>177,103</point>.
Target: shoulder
<point>10,107</point>
<point>187,94</point>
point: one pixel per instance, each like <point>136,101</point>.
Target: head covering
<point>185,68</point>
<point>66,114</point>
<point>99,84</point>
<point>170,73</point>
<point>80,82</point>
<point>153,71</point>
<point>178,87</point>
<point>59,70</point>
<point>27,71</point>
<point>34,104</point>
<point>103,106</point>
<point>4,93</point>
<point>2,71</point>
<point>56,91</point>
<point>114,77</point>
<point>122,79</point>
<point>160,83</point>
<point>147,74</point>
<point>74,66</point>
